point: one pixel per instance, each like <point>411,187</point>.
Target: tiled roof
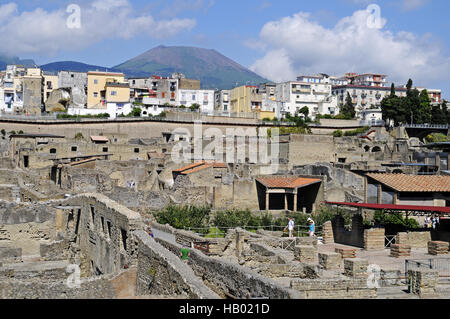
<point>198,167</point>
<point>156,155</point>
<point>99,139</point>
<point>286,182</point>
<point>414,183</point>
<point>188,167</point>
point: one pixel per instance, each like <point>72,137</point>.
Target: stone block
<point>346,252</point>
<point>398,250</point>
<point>327,233</point>
<point>438,248</point>
<point>356,267</point>
<point>10,254</point>
<point>423,282</point>
<point>330,260</point>
<point>305,253</point>
<point>307,241</point>
<point>374,239</point>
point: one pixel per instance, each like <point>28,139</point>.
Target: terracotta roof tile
<point>198,167</point>
<point>413,183</point>
<point>286,182</point>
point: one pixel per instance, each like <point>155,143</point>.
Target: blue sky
<point>277,39</point>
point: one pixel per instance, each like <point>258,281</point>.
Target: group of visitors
<point>291,226</point>
<point>432,222</point>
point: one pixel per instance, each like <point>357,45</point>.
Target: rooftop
<point>198,167</point>
<point>287,182</point>
<point>413,183</point>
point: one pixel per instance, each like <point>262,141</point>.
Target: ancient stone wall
<point>229,279</point>
<point>102,231</point>
<point>355,237</point>
<point>413,239</point>
<point>333,288</point>
<point>159,272</point>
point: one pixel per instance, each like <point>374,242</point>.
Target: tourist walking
<point>312,227</point>
<point>290,226</point>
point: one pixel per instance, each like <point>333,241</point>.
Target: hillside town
<point>155,188</point>
<point>31,91</point>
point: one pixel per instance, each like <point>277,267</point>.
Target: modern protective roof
<point>198,167</point>
<point>413,183</point>
<point>99,139</point>
<point>389,207</point>
<point>287,181</point>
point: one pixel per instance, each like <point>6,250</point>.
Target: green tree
<point>135,112</point>
<point>348,109</point>
<point>392,90</point>
<point>424,109</point>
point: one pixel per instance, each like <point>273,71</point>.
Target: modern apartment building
<point>76,83</point>
<point>245,99</point>
<point>364,97</point>
<point>106,87</point>
<point>313,92</point>
<point>204,98</point>
<point>222,100</point>
<point>50,84</point>
<point>268,93</point>
<point>12,84</point>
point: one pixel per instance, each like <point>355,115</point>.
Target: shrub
<point>182,217</point>
<point>358,131</point>
<point>436,137</point>
<point>337,133</point>
<point>79,136</point>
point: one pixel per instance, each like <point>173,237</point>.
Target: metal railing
<point>442,265</point>
<point>389,240</point>
<point>219,232</point>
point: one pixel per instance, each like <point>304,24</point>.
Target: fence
<point>442,265</point>
<point>218,232</point>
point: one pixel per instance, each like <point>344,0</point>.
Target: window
<point>95,81</point>
<point>74,148</point>
<point>53,151</point>
<point>136,150</point>
<point>194,97</point>
<point>95,94</point>
<point>93,217</point>
<point>105,150</point>
<point>113,93</point>
<point>108,224</point>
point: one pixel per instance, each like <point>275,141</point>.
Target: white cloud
<point>297,45</point>
<point>409,5</point>
<point>47,32</point>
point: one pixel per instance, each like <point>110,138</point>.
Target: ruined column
<point>295,201</point>
<point>286,206</point>
<point>267,200</point>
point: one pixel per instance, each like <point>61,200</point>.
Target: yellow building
<point>50,84</point>
<point>245,99</point>
<point>101,88</point>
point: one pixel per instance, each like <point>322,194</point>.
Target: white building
<point>113,109</point>
<point>222,100</point>
<point>204,98</point>
<point>268,93</point>
<point>313,92</point>
<point>364,97</point>
<point>12,85</point>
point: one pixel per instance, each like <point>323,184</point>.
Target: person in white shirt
<point>290,226</point>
